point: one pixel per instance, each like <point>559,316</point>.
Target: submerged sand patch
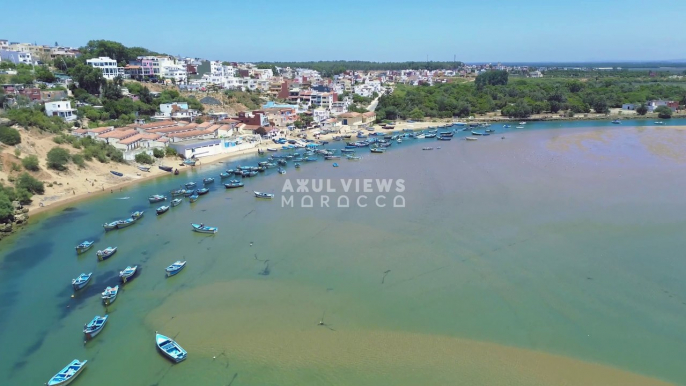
<point>262,324</point>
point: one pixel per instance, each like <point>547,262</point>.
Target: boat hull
<point>58,380</point>
<point>83,248</point>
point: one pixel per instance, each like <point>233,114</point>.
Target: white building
<point>60,109</point>
<point>16,57</point>
<point>108,66</point>
<point>324,99</point>
<point>320,114</point>
<point>176,72</point>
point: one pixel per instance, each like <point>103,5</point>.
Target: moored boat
<point>263,195</point>
<point>441,138</point>
<point>81,281</point>
<point>617,122</point>
<point>282,171</point>
<point>137,214</point>
<point>446,133</point>
<point>84,246</point>
<point>189,162</point>
<point>223,175</point>
<point>272,149</point>
<point>176,202</point>
<point>178,192</point>
<point>111,225</point>
<point>202,228</point>
<point>190,185</point>
<point>427,148</point>
<point>67,374</point>
<point>144,168</point>
<point>166,168</point>
<point>116,173</point>
<point>296,165</point>
<point>169,348</point>
<point>156,198</point>
<point>193,198</point>
<point>377,150</point>
<point>233,184</point>
<point>471,138</point>
<point>94,327</point>
<point>110,295</point>
<point>175,268</point>
<point>202,191</point>
<point>353,157</point>
<point>106,253</point>
<point>127,274</point>
<point>519,127</point>
<point>330,157</point>
<point>162,209</point>
<point>208,180</point>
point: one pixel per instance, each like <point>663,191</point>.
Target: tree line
<point>334,67</point>
<point>519,98</point>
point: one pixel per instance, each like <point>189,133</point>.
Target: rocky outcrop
<point>20,218</point>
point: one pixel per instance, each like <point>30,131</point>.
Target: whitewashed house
<point>60,109</point>
<point>108,66</point>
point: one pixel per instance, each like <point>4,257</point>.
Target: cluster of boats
<point>119,224</point>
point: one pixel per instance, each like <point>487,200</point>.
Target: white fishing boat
<point>263,195</point>
<point>175,268</point>
<point>81,281</point>
<point>67,374</point>
<point>169,348</point>
<point>94,327</point>
<point>110,295</point>
<point>127,273</point>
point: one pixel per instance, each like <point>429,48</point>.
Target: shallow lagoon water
<point>553,256</point>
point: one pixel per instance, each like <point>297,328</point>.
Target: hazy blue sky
<point>377,30</point>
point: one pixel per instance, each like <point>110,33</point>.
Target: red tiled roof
<point>213,128</point>
<point>130,140</point>
<point>189,126</point>
<point>101,129</point>
<point>117,134</point>
<point>153,125</point>
<point>167,130</point>
<point>368,114</point>
<point>205,124</point>
<point>350,115</point>
<point>229,120</point>
<point>80,131</point>
<point>251,127</point>
<point>163,139</point>
<point>151,136</point>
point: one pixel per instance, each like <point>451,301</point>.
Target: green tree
<point>78,160</point>
<point>261,131</point>
<point>170,151</point>
<point>30,163</point>
<point>663,112</point>
<point>44,74</point>
<point>642,109</point>
<point>26,181</point>
<point>144,158</point>
<point>88,78</point>
<point>58,158</point>
<point>22,77</point>
<point>9,136</point>
<point>600,106</point>
<point>491,78</point>
<point>158,153</point>
<point>111,91</point>
<point>417,114</point>
<point>6,207</point>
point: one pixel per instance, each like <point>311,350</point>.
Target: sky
<point>473,31</point>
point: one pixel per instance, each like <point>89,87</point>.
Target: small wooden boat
<point>263,195</point>
<point>446,133</point>
<point>353,158</point>
<point>261,169</point>
<point>190,185</point>
<point>427,148</point>
<point>189,162</point>
<point>110,295</point>
<point>127,223</point>
<point>162,209</point>
<point>522,123</point>
<point>193,198</point>
<point>202,228</point>
<point>84,246</point>
<point>399,140</point>
<point>224,175</point>
<point>94,327</point>
<point>233,184</point>
<point>282,171</point>
<point>250,174</point>
<point>176,202</point>
<point>178,192</point>
<point>330,157</point>
<point>444,138</point>
<point>106,253</point>
<point>111,225</point>
<point>310,159</point>
<point>347,136</point>
<point>81,281</point>
<point>347,151</point>
<point>175,268</point>
<point>477,133</point>
<point>420,136</point>
<point>659,123</point>
<point>377,150</point>
<point>169,348</point>
<point>335,165</point>
<point>67,374</point>
<point>471,138</point>
<point>202,191</point>
<point>519,127</point>
<point>127,274</point>
<point>507,126</point>
<point>208,180</point>
<point>296,165</point>
<point>166,168</point>
<point>617,122</point>
<point>143,168</point>
<point>272,149</point>
<point>282,162</point>
<point>116,173</point>
<point>490,131</point>
<point>430,135</point>
<point>189,193</point>
<point>156,198</point>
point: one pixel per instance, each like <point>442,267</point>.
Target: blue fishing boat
<point>175,268</point>
<point>189,162</point>
<point>191,185</point>
<point>377,150</point>
<point>193,198</point>
<point>169,348</point>
<point>617,122</point>
<point>127,274</point>
<point>67,374</point>
<point>178,192</point>
<point>81,281</point>
<point>137,214</point>
<point>189,193</point>
<point>446,133</point>
<point>176,202</point>
<point>310,159</point>
<point>156,198</point>
<point>282,171</point>
<point>94,327</point>
<point>264,195</point>
<point>202,228</point>
<point>224,175</point>
<point>106,253</point>
<point>331,157</point>
<point>208,180</point>
<point>233,184</point>
<point>111,225</point>
<point>165,168</point>
<point>116,173</point>
<point>335,165</point>
<point>296,165</point>
<point>162,209</point>
<point>110,295</point>
<point>84,246</point>
<point>347,151</point>
<point>353,158</point>
<point>444,138</point>
<point>202,191</point>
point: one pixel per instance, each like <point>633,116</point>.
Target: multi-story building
<point>108,66</point>
<point>4,44</point>
<point>60,109</point>
<point>16,56</point>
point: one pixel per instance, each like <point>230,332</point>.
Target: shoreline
<point>64,200</point>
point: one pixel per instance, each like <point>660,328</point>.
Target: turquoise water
<point>562,242</point>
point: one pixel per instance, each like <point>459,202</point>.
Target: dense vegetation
<point>91,149</point>
<point>250,100</point>
<point>114,50</point>
<point>9,136</point>
<point>331,68</point>
<point>520,98</point>
<point>35,116</point>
